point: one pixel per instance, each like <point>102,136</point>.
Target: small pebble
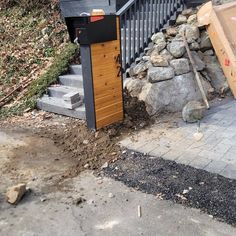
<point>85,142</point>
<point>86,166</point>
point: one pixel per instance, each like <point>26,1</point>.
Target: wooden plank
<point>223,51</point>
<point>107,100</point>
<point>106,85</point>
<point>221,27</point>
<point>108,110</point>
<point>110,119</point>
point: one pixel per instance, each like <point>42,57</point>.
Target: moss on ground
<point>40,85</point>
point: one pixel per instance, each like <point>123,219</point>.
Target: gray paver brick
<point>231,142</point>
<point>147,148</point>
<point>221,148</point>
<point>229,171</point>
<point>211,155</point>
<point>159,151</point>
<point>216,166</point>
<point>213,139</point>
<point>215,152</point>
<point>125,142</point>
<point>200,162</point>
<point>233,147</point>
<point>229,157</point>
<point>173,154</point>
<point>185,159</point>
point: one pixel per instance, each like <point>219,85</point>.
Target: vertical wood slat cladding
<point>107,84</point>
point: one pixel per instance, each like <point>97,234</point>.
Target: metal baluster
<point>162,13</point>
<point>124,39</point>
<point>129,37</point>
<point>139,19</point>
<point>155,16</point>
<point>147,22</point>
<point>134,28</point>
<point>143,20</point>
<point>159,14</point>
<point>173,6</point>
<point>166,10</point>
<point>168,7</point>
<point>151,24</point>
<point>138,27</point>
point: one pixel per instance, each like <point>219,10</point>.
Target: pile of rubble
<point>164,78</point>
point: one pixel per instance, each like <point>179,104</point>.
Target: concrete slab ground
<point>110,209</point>
<point>212,147</point>
<point>53,206</point>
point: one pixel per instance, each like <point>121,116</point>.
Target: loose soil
<point>181,184</point>
<point>93,149</point>
<point>85,148</point>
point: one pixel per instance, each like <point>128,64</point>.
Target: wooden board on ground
<point>221,26</point>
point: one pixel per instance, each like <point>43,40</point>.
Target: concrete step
<point>61,90</point>
<point>65,101</point>
<point>75,69</point>
<point>71,80</point>
<point>57,105</point>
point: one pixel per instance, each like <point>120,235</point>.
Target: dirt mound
<point>135,111</point>
<point>92,149</point>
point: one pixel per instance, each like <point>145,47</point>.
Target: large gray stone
<point>158,60</point>
<point>159,40</point>
<point>193,111</point>
<point>181,19</point>
<point>192,20</point>
<point>139,70</point>
<point>134,86</point>
<point>194,46</point>
<point>200,64</point>
<point>209,53</point>
<point>187,12</point>
<point>214,71</point>
<point>171,31</point>
<point>171,95</point>
<point>192,33</point>
<point>176,48</point>
<point>160,45</point>
<point>157,74</point>
<point>165,53</point>
<point>157,37</point>
<point>181,66</point>
<point>205,41</point>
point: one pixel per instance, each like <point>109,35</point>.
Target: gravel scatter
<point>212,193</point>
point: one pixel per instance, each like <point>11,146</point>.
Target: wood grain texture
<point>107,83</point>
<point>219,31</point>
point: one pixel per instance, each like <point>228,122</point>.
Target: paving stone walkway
<point>214,152</point>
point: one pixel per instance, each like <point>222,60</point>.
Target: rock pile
<point>164,79</point>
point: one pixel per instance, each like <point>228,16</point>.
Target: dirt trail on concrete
<point>29,158</point>
<point>52,148</point>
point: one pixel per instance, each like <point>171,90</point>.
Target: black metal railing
<point>139,20</point>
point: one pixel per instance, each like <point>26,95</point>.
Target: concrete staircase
<point>66,97</point>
